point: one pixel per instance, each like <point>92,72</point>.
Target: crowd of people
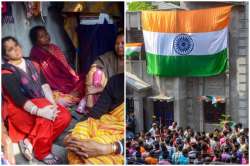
<point>176,145</point>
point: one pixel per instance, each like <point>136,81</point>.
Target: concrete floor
<point>56,149</point>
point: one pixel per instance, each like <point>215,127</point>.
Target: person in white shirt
<point>148,139</point>
<point>153,129</point>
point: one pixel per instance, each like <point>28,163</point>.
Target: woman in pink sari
<point>65,82</point>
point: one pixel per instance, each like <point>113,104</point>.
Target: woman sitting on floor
<point>98,140</point>
<point>59,74</point>
<point>29,111</point>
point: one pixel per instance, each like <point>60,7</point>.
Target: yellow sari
<point>108,129</point>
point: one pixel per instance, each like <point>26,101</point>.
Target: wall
<point>174,87</point>
<point>233,84</point>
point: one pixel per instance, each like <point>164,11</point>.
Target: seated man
<point>97,139</point>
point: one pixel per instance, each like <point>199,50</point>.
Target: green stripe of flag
<point>132,53</point>
<point>188,65</point>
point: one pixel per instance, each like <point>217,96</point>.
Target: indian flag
<point>186,43</point>
<point>133,49</point>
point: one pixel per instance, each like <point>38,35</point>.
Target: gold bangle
<point>113,148</point>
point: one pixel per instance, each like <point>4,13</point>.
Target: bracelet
<point>120,149</point>
<point>34,110</point>
<point>114,148</point>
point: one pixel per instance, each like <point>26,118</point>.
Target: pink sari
<point>58,73</point>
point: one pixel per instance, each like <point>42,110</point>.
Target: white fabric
<point>204,43</point>
<point>96,20</point>
<point>133,49</point>
<point>22,66</point>
<point>152,131</point>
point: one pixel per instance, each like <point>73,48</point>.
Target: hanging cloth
<point>33,9</point>
<point>94,40</point>
<point>106,130</point>
<point>7,15</point>
<point>70,25</point>
<point>74,7</point>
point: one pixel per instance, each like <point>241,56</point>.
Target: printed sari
<point>108,129</point>
<point>58,73</point>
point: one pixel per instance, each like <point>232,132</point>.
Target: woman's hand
<point>66,103</point>
<point>75,94</point>
<point>67,100</point>
<point>67,138</point>
<point>90,90</point>
<point>49,112</point>
<point>87,148</point>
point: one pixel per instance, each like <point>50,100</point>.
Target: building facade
<point>181,96</point>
